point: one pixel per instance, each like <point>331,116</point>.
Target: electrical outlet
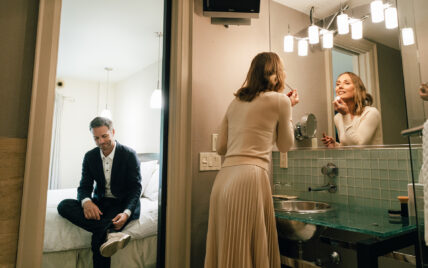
<point>209,161</point>
<point>283,160</point>
<point>214,137</point>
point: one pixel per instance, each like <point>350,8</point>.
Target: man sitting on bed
<point>115,169</point>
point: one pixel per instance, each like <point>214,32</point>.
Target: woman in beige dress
<point>357,123</point>
<point>241,228</point>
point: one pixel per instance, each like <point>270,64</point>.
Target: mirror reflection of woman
<point>242,227</point>
<point>357,123</point>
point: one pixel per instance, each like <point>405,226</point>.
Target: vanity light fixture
<point>156,98</point>
<point>376,8</point>
<point>302,47</point>
<point>313,34</point>
<point>327,38</point>
<point>407,36</point>
<point>342,24</point>
<point>391,18</point>
<point>106,112</point>
<point>356,28</point>
<point>288,43</point>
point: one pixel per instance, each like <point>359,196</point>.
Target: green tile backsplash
<point>367,176</point>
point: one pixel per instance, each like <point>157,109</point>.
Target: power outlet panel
<point>209,161</point>
<point>283,160</point>
<point>214,137</point>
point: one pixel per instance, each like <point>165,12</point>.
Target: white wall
<point>137,125</point>
<point>76,139</point>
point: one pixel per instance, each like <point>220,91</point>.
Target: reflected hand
<point>119,221</point>
<point>340,106</point>
<point>328,141</point>
<point>423,91</point>
<point>91,211</point>
<point>294,97</point>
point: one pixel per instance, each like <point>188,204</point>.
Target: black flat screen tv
<point>232,8</point>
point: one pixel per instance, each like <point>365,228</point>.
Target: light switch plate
<point>214,137</point>
<point>283,160</point>
<point>209,161</point>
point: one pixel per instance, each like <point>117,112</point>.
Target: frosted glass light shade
<point>391,18</point>
<point>313,34</point>
<point>106,113</point>
<point>407,36</point>
<point>288,43</point>
<point>342,24</point>
<point>156,99</point>
<point>357,29</point>
<point>302,47</point>
<point>376,9</point>
<point>327,39</point>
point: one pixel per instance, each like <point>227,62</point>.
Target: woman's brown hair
<point>361,97</point>
<point>266,73</point>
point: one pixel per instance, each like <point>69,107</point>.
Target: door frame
<point>174,235</point>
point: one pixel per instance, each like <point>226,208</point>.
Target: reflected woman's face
<point>345,87</point>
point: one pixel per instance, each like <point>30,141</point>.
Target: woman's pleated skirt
<point>241,227</point>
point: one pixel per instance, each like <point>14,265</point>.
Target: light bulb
<point>313,34</point>
<point>302,47</point>
<point>376,8</point>
<point>342,24</point>
<point>407,36</point>
<point>391,19</point>
<point>156,99</point>
<point>106,113</point>
<point>288,43</point>
<point>357,29</point>
<point>327,39</point>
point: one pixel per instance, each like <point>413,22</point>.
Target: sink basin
<point>297,230</point>
<point>302,207</point>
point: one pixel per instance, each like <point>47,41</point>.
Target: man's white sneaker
<point>114,242</point>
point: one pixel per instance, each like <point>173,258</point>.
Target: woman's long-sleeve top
<point>361,130</point>
<point>250,129</point>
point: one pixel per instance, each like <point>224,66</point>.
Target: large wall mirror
<point>110,62</point>
<point>387,67</point>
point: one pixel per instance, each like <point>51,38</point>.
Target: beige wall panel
<point>12,166</point>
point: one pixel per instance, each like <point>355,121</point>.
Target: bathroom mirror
<point>306,128</point>
<point>376,58</point>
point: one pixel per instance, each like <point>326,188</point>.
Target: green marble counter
<point>366,220</point>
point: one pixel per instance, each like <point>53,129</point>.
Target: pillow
<point>147,169</point>
<point>152,189</point>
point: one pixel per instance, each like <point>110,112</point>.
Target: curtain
<point>54,169</point>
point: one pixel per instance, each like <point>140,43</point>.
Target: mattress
<point>62,235</point>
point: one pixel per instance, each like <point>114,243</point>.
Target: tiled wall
<point>367,176</point>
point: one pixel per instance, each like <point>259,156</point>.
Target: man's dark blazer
<point>125,182</point>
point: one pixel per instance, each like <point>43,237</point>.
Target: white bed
<point>69,246</point>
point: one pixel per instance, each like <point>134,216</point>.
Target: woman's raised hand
<point>340,106</point>
<point>294,97</point>
<point>423,91</point>
<point>328,141</point>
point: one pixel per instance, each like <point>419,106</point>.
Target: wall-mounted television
<point>232,8</point>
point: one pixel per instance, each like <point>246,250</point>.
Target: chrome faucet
<point>331,171</point>
<point>330,186</point>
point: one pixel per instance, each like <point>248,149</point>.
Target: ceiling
<point>108,33</point>
<point>324,8</point>
<point>121,34</point>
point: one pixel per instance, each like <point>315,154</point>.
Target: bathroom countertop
<point>366,220</point>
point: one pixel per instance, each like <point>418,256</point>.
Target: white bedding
<point>61,235</point>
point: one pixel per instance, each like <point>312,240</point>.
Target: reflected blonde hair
<point>361,97</point>
<point>266,73</point>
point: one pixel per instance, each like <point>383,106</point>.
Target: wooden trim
<point>12,165</point>
<point>31,229</point>
<point>177,250</point>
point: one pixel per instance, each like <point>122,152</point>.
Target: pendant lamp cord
<point>159,65</point>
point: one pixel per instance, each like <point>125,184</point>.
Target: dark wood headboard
<point>144,157</point>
